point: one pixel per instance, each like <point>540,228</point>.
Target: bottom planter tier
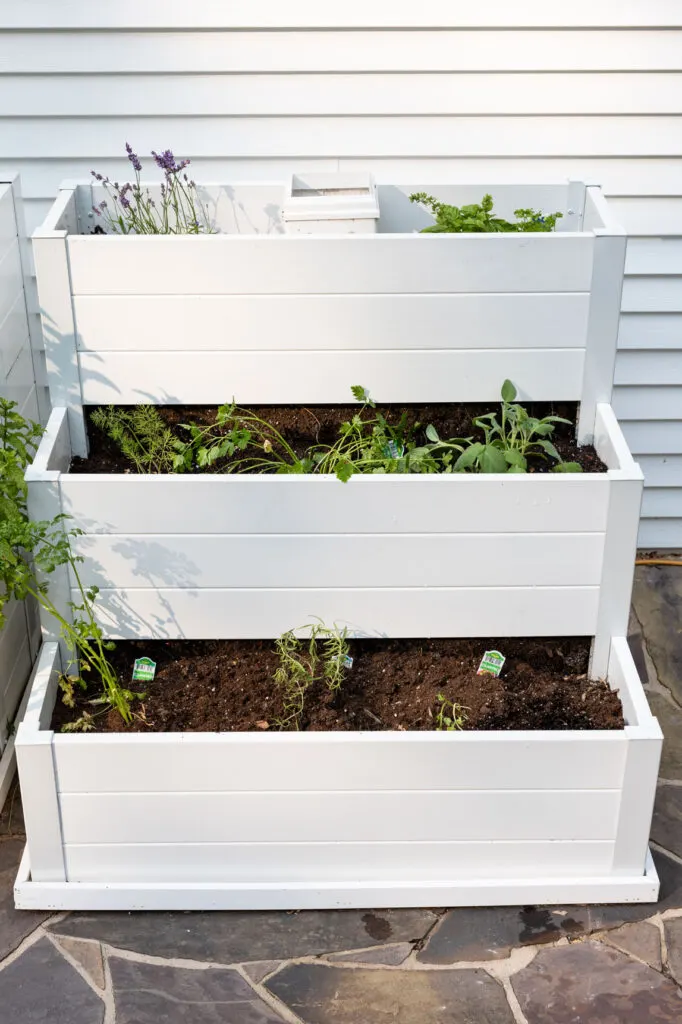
<point>199,821</point>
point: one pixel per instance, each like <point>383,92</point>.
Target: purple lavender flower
<point>124,201</point>
<point>96,176</point>
<point>166,161</point>
<point>133,157</point>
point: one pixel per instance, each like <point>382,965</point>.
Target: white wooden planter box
<point>196,821</point>
<point>265,317</point>
<point>411,555</point>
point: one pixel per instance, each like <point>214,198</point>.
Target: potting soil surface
<point>304,426</point>
<point>228,686</point>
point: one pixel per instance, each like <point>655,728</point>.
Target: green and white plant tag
<point>347,660</point>
<point>144,670</point>
<point>491,663</point>
<point>393,450</point>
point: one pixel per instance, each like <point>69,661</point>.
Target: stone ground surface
<point>513,965</point>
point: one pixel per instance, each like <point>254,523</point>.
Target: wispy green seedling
<point>141,435</point>
<point>450,716</point>
<point>303,661</point>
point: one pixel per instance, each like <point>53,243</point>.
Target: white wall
<point>444,90</point>
<point>20,637</point>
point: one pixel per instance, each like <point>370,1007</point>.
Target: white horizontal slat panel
<point>19,382</point>
<point>654,256</point>
<point>625,175</point>
<point>338,560</point>
<point>650,331</point>
<point>280,264</point>
<point>250,614</point>
<point>120,323</point>
<point>327,862</point>
<point>651,216</point>
<point>268,14</point>
<point>652,294</point>
<point>11,282</point>
<point>660,438</point>
<point>300,377</point>
<point>650,367</point>
<point>190,762</point>
<point>101,95</point>
<point>394,504</point>
<point>662,471</point>
<point>648,403</point>
<point>362,51</point>
<point>665,502</point>
<point>660,533</point>
<point>358,816</point>
<point>371,136</point>
<point>13,335</point>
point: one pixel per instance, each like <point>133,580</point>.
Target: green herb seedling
<point>450,716</point>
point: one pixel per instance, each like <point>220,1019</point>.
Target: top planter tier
<point>263,316</point>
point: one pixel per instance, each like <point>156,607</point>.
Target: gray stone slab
<point>670,719</point>
<point>15,925</point>
<point>390,956</point>
<point>673,941</point>
<point>12,814</point>
<point>354,995</point>
<point>666,827</point>
<point>590,983</point>
<point>641,940</point>
<point>88,955</point>
<point>40,987</point>
<point>261,969</point>
<point>150,994</point>
<point>490,933</point>
<point>236,937</point>
<point>657,597</point>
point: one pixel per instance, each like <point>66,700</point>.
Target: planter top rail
<point>262,316</point>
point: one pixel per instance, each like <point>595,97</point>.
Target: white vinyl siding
<point>441,91</point>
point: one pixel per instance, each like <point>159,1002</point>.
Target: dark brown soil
<point>306,426</point>
<point>227,686</point>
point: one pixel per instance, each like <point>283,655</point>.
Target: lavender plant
<point>130,208</point>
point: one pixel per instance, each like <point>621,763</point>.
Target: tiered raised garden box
<point>326,819</point>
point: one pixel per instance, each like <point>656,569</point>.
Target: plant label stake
<point>491,663</point>
<point>144,670</point>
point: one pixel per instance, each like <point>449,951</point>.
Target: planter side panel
<point>200,557</point>
<point>301,319</point>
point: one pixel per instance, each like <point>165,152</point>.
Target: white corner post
<point>37,774</point>
<point>44,503</point>
<point>615,591</point>
<point>604,316</point>
<point>51,256</point>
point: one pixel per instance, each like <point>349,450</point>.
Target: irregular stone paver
<point>232,937</point>
<point>15,925</point>
<point>670,720</point>
<point>88,955</point>
<point>149,994</point>
<point>490,933</point>
<point>390,956</point>
<point>673,941</point>
<point>334,995</point>
<point>40,987</point>
<point>642,940</point>
<point>588,983</point>
<point>666,827</point>
<point>12,814</point>
<point>657,597</point>
<point>261,969</point>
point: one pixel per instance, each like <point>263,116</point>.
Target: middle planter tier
<point>232,556</point>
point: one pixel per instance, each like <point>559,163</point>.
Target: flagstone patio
<point>538,965</point>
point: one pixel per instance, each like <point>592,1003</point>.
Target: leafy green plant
<point>450,717</point>
<point>141,434</point>
<point>235,431</point>
<point>512,440</point>
<point>31,547</point>
<point>373,445</point>
<point>323,655</point>
<point>479,217</point>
